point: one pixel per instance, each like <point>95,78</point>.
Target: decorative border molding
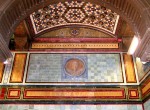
<point>133,93</point>
<point>145,88</point>
<point>75,46</point>
<point>74,94</point>
<point>13,93</point>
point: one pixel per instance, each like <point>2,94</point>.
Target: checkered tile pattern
<point>44,68</point>
<point>104,68</point>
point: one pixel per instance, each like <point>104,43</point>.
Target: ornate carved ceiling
<point>70,22</point>
<point>74,13</point>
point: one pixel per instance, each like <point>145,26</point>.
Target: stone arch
<point>13,11</point>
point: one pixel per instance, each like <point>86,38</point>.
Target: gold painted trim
<point>129,68</point>
<point>1,71</point>
<point>18,68</point>
<point>74,45</point>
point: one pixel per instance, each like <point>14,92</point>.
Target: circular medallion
<point>75,67</point>
<point>74,31</point>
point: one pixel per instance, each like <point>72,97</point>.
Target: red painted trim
<point>143,85</point>
<point>76,50</point>
<point>133,97</point>
<point>2,95</point>
<point>62,40</point>
<point>13,97</point>
<point>73,90</point>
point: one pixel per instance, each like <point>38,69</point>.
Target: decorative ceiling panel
<point>74,12</point>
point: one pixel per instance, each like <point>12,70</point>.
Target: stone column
<point>5,53</point>
<point>143,50</point>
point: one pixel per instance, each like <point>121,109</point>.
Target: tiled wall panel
<point>49,68</point>
<point>98,68</point>
<point>147,105</point>
<point>70,107</point>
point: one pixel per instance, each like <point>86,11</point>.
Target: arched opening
<point>128,10</point>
